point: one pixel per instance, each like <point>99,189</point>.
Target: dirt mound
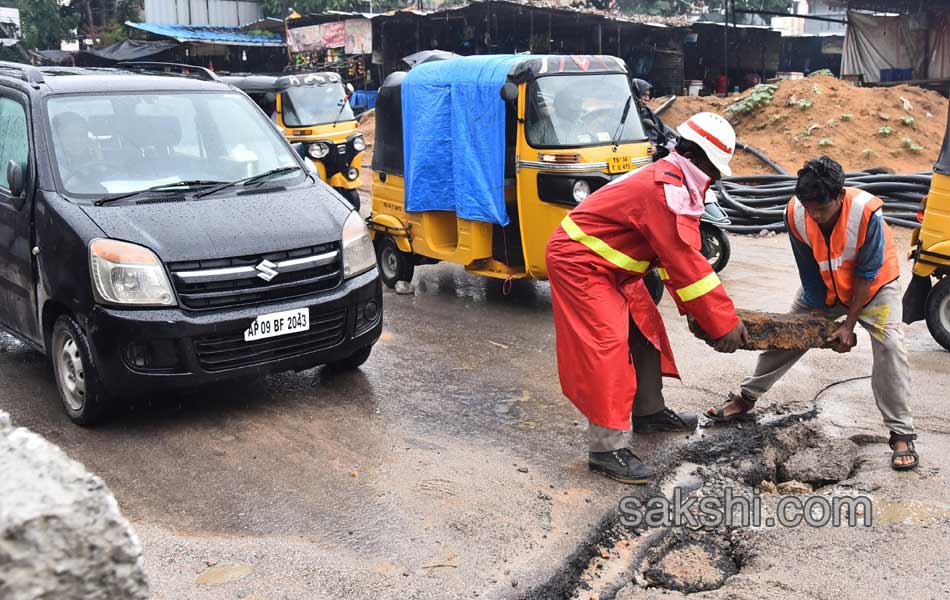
<point>858,127</point>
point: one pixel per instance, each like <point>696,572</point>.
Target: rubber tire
<point>654,285</point>
<point>351,196</point>
<point>399,265</point>
<point>97,406</point>
<point>353,361</point>
<point>939,325</point>
<point>725,247</point>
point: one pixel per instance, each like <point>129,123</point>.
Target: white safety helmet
<point>714,135</point>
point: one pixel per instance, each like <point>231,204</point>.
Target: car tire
<point>394,264</point>
<point>353,361</point>
<point>716,247</point>
<point>654,285</point>
<point>77,379</point>
<point>351,196</point>
<point>938,312</point>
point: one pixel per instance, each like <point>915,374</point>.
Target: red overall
<point>596,261</point>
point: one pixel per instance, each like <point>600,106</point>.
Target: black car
<point>159,232</point>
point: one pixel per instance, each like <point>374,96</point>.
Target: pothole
<point>787,455</point>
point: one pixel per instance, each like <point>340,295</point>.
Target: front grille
<point>217,353</point>
<point>337,162</point>
<point>228,282</point>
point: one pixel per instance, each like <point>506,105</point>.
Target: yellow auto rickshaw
<point>930,251</point>
<point>478,159</point>
<point>314,108</point>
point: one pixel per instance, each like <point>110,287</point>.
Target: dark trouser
<point>649,398</point>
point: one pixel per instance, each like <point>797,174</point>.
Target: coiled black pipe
<point>761,156</point>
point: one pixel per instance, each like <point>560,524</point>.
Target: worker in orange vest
<point>612,348</point>
<point>848,266</point>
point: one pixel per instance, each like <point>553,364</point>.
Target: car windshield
<point>121,143</point>
<point>580,110</point>
<point>306,105</point>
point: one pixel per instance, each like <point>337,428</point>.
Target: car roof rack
<point>164,67</point>
<point>27,73</point>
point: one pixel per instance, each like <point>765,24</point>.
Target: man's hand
<point>731,341</point>
<point>696,330</point>
<point>843,339</point>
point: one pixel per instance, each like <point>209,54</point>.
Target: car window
<point>14,139</point>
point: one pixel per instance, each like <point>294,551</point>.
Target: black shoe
<point>622,465</point>
<point>665,420</point>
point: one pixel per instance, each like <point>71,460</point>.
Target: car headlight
<point>359,144</point>
<point>318,150</point>
<point>359,255</point>
<point>580,190</point>
<point>124,273</point>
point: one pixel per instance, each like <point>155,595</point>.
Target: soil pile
<point>899,127</point>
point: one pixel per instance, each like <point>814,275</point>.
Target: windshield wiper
<point>342,108</point>
<point>248,180</point>
<point>623,121</point>
<point>165,187</point>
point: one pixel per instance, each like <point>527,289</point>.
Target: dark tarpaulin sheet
<point>454,137</point>
<point>131,50</point>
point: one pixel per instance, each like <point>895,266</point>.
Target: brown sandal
<point>911,451</point>
<point>719,415</point>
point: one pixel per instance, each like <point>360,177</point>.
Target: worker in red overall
<point>612,347</point>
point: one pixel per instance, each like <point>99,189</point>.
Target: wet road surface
<point>448,466</point>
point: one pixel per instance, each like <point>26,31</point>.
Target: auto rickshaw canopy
<point>453,127</point>
<point>259,84</point>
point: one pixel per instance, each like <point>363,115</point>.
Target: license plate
<point>619,164</point>
<point>279,323</point>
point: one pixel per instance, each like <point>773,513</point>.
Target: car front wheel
<point>77,379</point>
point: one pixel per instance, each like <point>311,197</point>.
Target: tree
<point>46,23</point>
<point>669,8</point>
<point>280,8</point>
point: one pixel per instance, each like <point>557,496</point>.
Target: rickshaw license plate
<point>279,323</point>
<point>619,164</point>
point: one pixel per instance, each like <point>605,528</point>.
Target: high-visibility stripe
<point>798,222</point>
<point>699,288</point>
<point>662,273</point>
<point>602,249</point>
<point>716,141</point>
<point>853,227</point>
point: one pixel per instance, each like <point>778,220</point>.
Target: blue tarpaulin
<point>454,137</point>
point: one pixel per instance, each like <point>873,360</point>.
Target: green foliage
<point>867,153</point>
<point>847,117</point>
<point>804,104</point>
<point>885,131</point>
<point>45,23</point>
<point>821,72</point>
<point>907,120</point>
<point>826,142</point>
<point>683,7</point>
<point>760,96</point>
<point>280,8</point>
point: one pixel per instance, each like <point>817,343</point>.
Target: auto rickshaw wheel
<point>654,285</point>
<point>351,196</point>
<point>938,312</point>
<point>394,264</point>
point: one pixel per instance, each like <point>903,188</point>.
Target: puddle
<point>909,512</point>
<point>226,573</point>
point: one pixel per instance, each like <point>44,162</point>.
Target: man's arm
<point>869,262</point>
<point>689,277</point>
<point>813,286</point>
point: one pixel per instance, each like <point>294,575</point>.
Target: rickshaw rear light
<point>920,216</point>
<point>559,158</point>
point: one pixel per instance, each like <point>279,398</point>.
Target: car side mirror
<point>301,149</point>
<point>15,178</point>
<point>509,92</point>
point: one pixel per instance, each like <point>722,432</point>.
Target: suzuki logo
<point>266,270</point>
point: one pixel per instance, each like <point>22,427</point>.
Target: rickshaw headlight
<point>318,150</point>
<point>359,144</point>
<point>124,273</point>
<point>352,173</point>
<point>580,190</point>
<point>359,255</point>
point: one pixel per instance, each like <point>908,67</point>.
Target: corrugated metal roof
<point>207,34</point>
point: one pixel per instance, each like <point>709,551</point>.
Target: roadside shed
<point>218,47</point>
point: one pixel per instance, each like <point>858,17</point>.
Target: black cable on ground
<point>839,382</point>
<point>761,156</point>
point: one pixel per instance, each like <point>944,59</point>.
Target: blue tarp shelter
<point>454,137</point>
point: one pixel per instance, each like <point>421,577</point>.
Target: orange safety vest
<point>837,255</point>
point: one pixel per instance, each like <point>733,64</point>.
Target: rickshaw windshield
<point>121,143</point>
<point>306,105</point>
<point>572,111</point>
